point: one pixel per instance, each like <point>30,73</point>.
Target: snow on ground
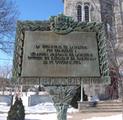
<point>3,116</point>
<point>41,117</point>
<point>4,108</point>
<point>46,111</point>
<point>42,111</point>
<point>41,108</point>
<point>113,117</point>
<point>54,117</point>
<point>35,117</point>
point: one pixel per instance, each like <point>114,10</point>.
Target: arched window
<point>86,9</point>
<point>79,13</point>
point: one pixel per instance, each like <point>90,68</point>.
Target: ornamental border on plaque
<point>61,25</point>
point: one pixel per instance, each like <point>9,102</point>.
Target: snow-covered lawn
<point>44,111</point>
<point>113,117</point>
<point>53,117</point>
<point>47,111</point>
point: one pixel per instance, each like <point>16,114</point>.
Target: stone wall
<point>109,12</point>
<point>70,9</point>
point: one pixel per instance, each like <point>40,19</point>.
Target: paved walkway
<point>83,116</point>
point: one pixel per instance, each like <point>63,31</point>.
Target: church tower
<point>83,10</point>
<point>110,12</point>
<point>92,11</point>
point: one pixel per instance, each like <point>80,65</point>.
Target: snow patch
<point>114,117</point>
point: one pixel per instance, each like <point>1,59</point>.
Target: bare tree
<point>8,16</point>
<point>6,71</point>
<point>5,76</point>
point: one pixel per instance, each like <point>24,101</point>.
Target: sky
<point>34,10</point>
<point>39,9</point>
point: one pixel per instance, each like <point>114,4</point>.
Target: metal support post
<point>81,91</point>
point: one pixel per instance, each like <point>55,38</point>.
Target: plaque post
<point>38,42</point>
<point>81,91</point>
<point>62,96</point>
<point>61,111</point>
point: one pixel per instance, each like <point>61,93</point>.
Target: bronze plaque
<point>47,54</point>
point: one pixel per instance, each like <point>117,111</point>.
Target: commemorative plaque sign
<point>52,55</point>
<point>61,55</point>
<point>60,50</point>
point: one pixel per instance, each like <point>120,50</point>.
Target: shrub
<point>16,111</point>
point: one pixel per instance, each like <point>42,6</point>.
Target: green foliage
<point>16,111</point>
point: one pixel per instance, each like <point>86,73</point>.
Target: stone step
<point>102,106</point>
<point>101,110</point>
<point>109,107</point>
<point>117,103</point>
<point>113,103</point>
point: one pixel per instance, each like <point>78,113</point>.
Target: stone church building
<point>111,14</point>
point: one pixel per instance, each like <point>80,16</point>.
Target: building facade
<point>111,14</point>
<point>83,10</point>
